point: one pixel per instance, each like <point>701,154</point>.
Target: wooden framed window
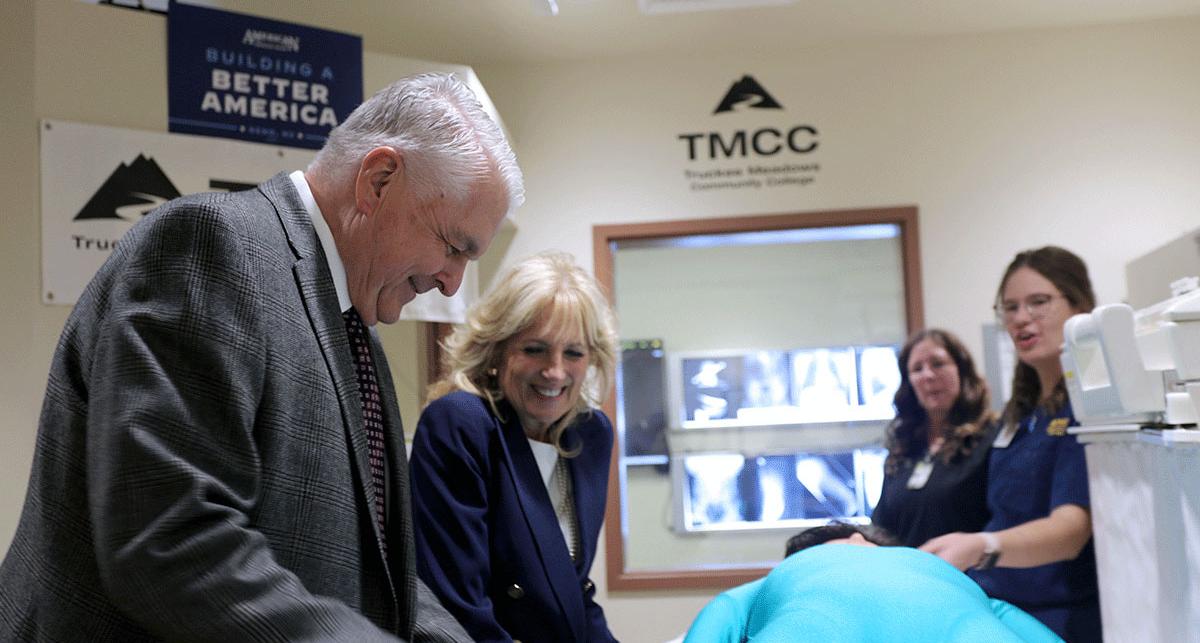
<point>752,388</point>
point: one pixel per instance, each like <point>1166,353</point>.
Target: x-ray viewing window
<point>723,491</point>
<point>835,384</point>
<point>754,384</point>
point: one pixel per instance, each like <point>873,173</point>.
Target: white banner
<point>99,181</point>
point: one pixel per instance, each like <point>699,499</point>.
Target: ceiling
<point>482,32</point>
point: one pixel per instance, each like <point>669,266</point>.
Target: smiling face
<point>1038,341</point>
<point>542,373</point>
<point>404,246</point>
<point>934,377</point>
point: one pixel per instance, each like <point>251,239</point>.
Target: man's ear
<point>381,169</point>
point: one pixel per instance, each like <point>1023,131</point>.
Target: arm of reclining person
<point>725,617</point>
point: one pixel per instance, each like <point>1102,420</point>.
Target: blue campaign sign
<point>238,76</point>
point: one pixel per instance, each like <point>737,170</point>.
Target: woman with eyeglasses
<point>1036,551</point>
<point>935,475</point>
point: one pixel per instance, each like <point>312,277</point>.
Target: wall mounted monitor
<point>641,417</point>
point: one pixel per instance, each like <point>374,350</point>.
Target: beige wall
<point>27,331</point>
<point>1085,137</point>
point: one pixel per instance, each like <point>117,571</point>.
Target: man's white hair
<point>447,140</point>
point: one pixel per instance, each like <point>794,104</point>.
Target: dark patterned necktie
<point>372,409</point>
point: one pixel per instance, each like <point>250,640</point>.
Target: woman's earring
<point>492,372</point>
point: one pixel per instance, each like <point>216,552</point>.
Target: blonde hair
<point>549,282</point>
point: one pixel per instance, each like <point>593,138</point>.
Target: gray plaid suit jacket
<point>201,470</point>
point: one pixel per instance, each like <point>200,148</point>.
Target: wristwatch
<point>991,551</point>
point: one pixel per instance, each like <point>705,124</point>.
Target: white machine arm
<point>1103,369</point>
<point>1123,367</point>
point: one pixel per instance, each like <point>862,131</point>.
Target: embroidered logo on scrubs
<point>1057,427</point>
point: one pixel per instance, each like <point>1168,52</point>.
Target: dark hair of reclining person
<point>838,530</point>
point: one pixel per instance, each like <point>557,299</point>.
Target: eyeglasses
<point>1038,306</point>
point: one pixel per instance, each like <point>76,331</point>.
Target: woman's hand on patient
<point>960,549</point>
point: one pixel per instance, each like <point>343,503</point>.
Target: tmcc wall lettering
<point>767,141</point>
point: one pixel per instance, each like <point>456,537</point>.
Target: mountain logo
<point>747,93</point>
<point>130,192</point>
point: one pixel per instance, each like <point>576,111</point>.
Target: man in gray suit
<point>205,465</point>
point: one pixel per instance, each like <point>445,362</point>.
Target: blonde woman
<point>510,461</point>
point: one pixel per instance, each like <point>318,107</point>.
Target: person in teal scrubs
<point>837,585</point>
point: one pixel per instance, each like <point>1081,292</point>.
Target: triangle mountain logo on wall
<point>747,93</point>
<point>131,191</point>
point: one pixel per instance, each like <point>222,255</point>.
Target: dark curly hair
<point>908,435</point>
<point>1069,274</point>
<point>835,530</point>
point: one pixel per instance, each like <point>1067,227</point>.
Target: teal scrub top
<point>844,593</point>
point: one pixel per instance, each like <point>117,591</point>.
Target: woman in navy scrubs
<point>1036,551</point>
<point>935,476</point>
<point>509,464</point>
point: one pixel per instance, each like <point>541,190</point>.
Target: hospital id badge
<point>920,474</point>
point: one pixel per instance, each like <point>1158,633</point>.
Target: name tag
<point>920,474</point>
<point>1005,436</point>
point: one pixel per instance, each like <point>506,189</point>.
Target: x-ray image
<point>713,488</point>
<point>732,491</point>
<point>825,389</point>
<point>830,482</point>
<point>712,388</point>
<point>825,380</point>
<point>878,375</point>
<point>791,487</point>
<point>720,388</point>
<point>767,379</point>
<point>835,384</point>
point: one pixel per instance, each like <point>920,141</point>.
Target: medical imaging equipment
<point>1136,368</point>
<point>1134,382</point>
<point>777,438</point>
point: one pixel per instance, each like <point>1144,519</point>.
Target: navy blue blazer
<point>488,542</point>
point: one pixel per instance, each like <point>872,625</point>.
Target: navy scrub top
<point>1041,469</point>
